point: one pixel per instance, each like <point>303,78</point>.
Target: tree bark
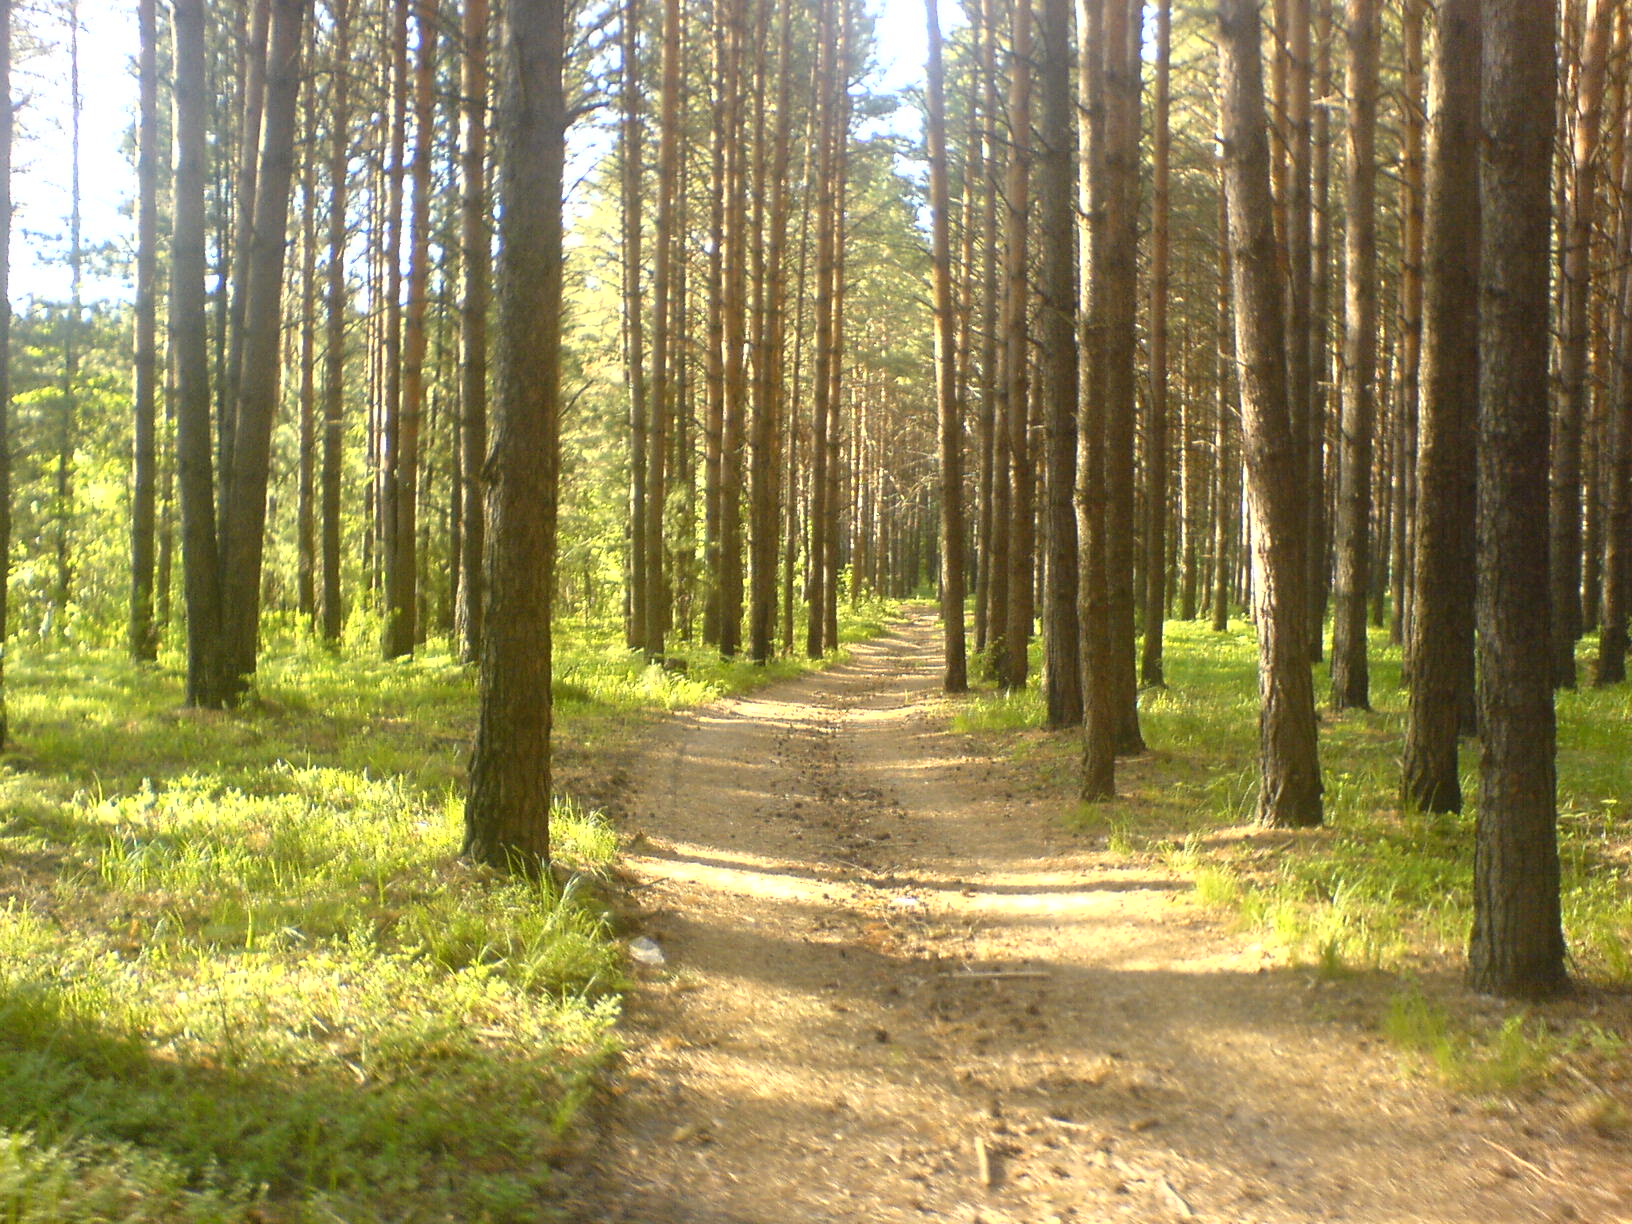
<point>1062,630</point>
<point>1441,691</point>
<point>1156,482</point>
<point>1351,687</point>
<point>206,680</point>
<point>1289,767</point>
<point>143,637</point>
<point>508,806</point>
<point>476,247</point>
<point>1564,505</point>
<point>657,437</point>
<point>1121,166</point>
<point>1517,948</point>
<point>244,529</point>
<point>949,417</point>
<point>1022,536</point>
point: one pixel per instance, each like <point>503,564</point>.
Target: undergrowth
<point>243,973</point>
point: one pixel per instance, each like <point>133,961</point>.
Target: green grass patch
<point>243,973</point>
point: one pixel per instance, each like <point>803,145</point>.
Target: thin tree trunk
<point>1564,546</point>
<point>1099,710</point>
<point>949,418</point>
<point>1350,679</point>
<point>1013,664</point>
<point>476,247</point>
<point>143,634</point>
<point>1617,577</point>
<point>1121,167</point>
<point>1441,692</point>
<point>657,437</point>
<point>1062,630</point>
<point>306,422</point>
<point>1156,499</point>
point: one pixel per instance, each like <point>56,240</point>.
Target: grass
<point>244,975</point>
<point>1378,890</point>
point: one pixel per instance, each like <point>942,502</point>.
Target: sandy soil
<point>898,990</point>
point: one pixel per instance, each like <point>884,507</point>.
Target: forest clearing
<point>741,610</point>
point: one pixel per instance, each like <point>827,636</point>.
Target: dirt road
<point>898,990</point>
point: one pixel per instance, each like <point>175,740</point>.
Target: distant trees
<point>785,392</point>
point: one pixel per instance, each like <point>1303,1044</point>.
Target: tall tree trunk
<point>1411,292</point>
<point>1564,547</point>
<point>476,248</point>
<point>630,137</point>
<point>68,414</point>
<point>1320,280</point>
<point>657,435</point>
<point>395,552</point>
<point>508,805</point>
<point>206,677</point>
<point>143,635</point>
<point>1226,470</point>
<point>1617,576</point>
<point>1156,499</point>
<point>6,113</point>
<point>1013,665</point>
<point>1121,48</point>
<point>1289,767</point>
<point>306,420</point>
<point>735,416</point>
<point>402,578</point>
<point>991,483</point>
<point>1441,692</point>
<point>949,418</point>
<point>334,361</point>
<point>1350,680</point>
<point>1099,708</point>
<point>251,114</point>
<point>822,509</point>
<point>1062,630</point>
<point>1517,947</point>
<point>244,530</point>
<point>765,492</point>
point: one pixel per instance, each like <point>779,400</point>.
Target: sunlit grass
<point>243,973</point>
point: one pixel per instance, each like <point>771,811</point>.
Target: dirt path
<point>885,958</point>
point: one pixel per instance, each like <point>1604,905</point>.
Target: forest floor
<point>898,987</point>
